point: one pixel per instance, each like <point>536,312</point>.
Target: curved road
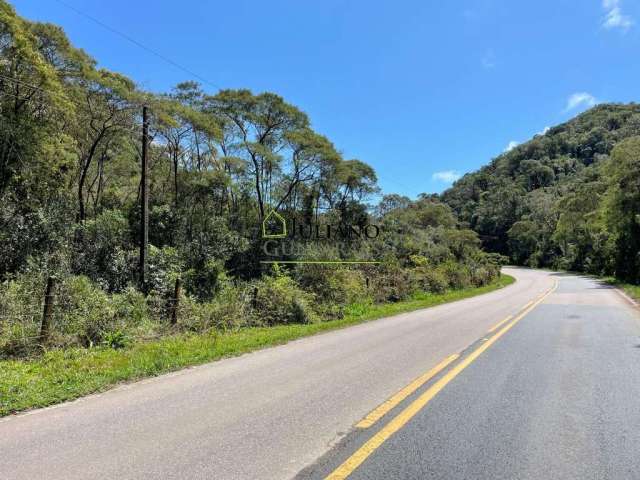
<point>524,382</point>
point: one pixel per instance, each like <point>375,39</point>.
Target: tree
<point>107,116</point>
<point>623,207</point>
<point>523,241</point>
<point>258,129</point>
<point>553,188</point>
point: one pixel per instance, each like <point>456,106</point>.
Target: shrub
<point>484,274</point>
<point>337,287</point>
<point>278,300</point>
<point>392,284</point>
<point>203,282</point>
<point>428,279</point>
<point>116,340</point>
<point>496,259</point>
<point>86,315</point>
<point>163,267</point>
<point>230,309</point>
<point>103,253</point>
<point>20,314</point>
<point>457,275</point>
<point>136,314</point>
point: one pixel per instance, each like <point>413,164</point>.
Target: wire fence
<point>56,312</point>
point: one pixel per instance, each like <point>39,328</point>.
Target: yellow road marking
<point>527,305</point>
<point>387,406</point>
<point>500,323</point>
<point>355,460</point>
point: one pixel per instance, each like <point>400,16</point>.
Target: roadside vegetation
<point>630,289</point>
<point>65,374</point>
<point>71,201</point>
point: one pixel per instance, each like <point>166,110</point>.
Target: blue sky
<point>421,90</point>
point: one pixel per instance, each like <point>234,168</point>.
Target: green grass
<point>62,375</point>
<point>632,290</point>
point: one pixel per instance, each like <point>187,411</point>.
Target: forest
<point>72,208</point>
<point>568,199</point>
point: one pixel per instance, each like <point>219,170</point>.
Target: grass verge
<point>632,290</point>
<point>61,375</point>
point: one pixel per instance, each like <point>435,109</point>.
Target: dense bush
<point>229,310</point>
<point>334,287</point>
<point>83,314</point>
<point>391,284</point>
<point>431,280</point>
<point>103,252</point>
<point>277,299</point>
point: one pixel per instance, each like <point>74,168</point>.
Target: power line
<point>41,103</point>
<point>37,88</point>
<point>24,99</point>
<point>139,44</point>
<point>42,90</point>
<point>135,130</point>
<point>21,82</point>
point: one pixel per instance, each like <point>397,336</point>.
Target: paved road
<point>554,397</point>
<point>557,396</point>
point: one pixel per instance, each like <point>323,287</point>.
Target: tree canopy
<point>568,198</point>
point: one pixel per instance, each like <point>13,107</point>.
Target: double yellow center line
<point>355,460</point>
<point>394,401</point>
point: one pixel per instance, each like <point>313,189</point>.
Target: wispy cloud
<point>447,176</point>
<point>488,60</point>
<point>511,145</point>
<point>580,99</point>
<point>469,13</point>
<point>614,18</point>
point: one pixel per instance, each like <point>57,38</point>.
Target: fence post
<point>254,297</point>
<point>176,302</point>
<point>47,314</point>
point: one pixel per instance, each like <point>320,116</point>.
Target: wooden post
<point>47,314</point>
<point>176,302</point>
<point>144,202</point>
<point>254,299</point>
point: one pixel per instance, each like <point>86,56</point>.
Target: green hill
<point>568,198</point>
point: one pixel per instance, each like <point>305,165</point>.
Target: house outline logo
<point>275,215</point>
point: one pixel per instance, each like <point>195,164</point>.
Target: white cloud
<point>488,60</point>
<point>544,131</point>
<point>580,99</point>
<point>447,176</point>
<point>511,145</point>
<point>614,17</point>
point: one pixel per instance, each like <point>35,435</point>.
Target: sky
<point>422,90</point>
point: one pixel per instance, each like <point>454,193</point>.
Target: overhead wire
<point>138,44</point>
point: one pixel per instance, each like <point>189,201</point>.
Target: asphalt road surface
<point>525,382</point>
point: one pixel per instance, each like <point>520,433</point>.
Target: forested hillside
<point>568,198</point>
<point>218,162</point>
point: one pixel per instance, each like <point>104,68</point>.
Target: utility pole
<point>144,202</point>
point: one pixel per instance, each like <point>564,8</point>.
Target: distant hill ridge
<point>521,202</point>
